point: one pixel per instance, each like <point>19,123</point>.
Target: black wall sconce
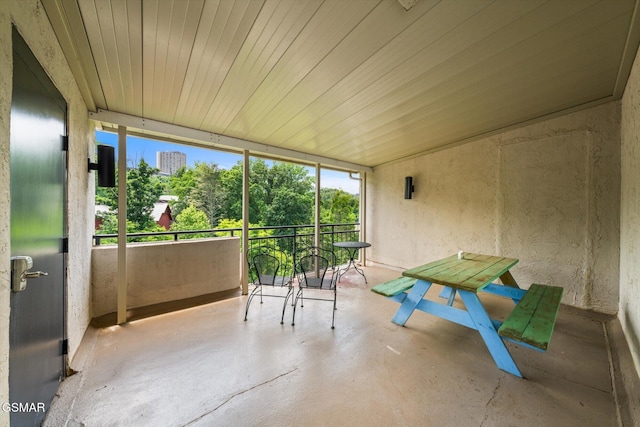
<point>106,166</point>
<point>408,187</point>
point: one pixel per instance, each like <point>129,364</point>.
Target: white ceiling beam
<point>217,140</point>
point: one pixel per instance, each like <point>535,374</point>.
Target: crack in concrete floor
<point>230,398</point>
<point>493,396</point>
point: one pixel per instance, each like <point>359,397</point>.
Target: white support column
<point>316,216</point>
<point>122,225</point>
<point>363,214</point>
<point>245,222</point>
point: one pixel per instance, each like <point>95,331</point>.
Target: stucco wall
<point>165,271</point>
<point>547,194</point>
<point>629,313</point>
<point>5,272</point>
<point>32,23</point>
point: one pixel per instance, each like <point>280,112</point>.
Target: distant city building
<point>170,161</point>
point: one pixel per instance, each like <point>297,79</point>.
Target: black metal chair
<point>316,270</point>
<point>265,269</point>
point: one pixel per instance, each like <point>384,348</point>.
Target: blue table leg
<point>449,294</point>
<point>410,302</point>
<point>489,334</point>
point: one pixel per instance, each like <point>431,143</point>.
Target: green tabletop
<point>472,273</point>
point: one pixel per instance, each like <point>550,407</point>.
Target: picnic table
<point>530,323</point>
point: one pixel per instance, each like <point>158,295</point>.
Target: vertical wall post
<point>245,222</point>
<point>122,225</point>
<point>316,215</point>
<point>363,214</point>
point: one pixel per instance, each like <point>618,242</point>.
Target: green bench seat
<point>533,318</point>
<point>394,287</point>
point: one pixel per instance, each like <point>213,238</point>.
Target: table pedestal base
<point>355,267</point>
<point>352,250</point>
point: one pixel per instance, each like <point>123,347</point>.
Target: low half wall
<point>165,271</point>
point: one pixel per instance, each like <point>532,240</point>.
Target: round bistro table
<point>352,249</point>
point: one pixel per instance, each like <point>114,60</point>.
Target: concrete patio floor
<point>205,366</point>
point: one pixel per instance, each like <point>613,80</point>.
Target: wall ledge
<point>624,377</point>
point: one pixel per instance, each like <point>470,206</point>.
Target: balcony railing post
<point>333,234</point>
<point>295,238</point>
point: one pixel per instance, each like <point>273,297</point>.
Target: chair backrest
<point>316,250</point>
<point>316,271</point>
<point>265,268</point>
<point>282,261</point>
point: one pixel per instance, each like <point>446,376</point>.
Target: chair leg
<point>333,312</point>
<point>251,295</point>
<point>295,304</point>
<point>284,306</point>
<point>300,296</point>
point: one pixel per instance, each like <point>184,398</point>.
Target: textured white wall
<point>453,206</point>
<point>547,194</point>
<point>5,268</point>
<point>32,23</point>
<point>165,271</point>
<point>629,313</point>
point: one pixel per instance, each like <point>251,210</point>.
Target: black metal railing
<point>285,239</point>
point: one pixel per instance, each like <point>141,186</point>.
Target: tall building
<point>170,161</point>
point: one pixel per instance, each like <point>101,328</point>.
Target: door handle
<point>20,266</point>
<point>35,274</point>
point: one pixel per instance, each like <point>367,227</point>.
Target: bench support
<point>475,317</point>
<point>536,309</point>
<point>411,302</point>
<point>449,294</point>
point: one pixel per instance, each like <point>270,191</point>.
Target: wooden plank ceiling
<point>363,81</point>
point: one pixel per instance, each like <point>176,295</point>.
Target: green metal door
<point>38,189</point>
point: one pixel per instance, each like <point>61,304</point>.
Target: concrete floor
<point>205,366</point>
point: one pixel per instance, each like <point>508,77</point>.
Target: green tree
<point>110,226</point>
<point>231,180</point>
<point>164,182</point>
<point>281,195</point>
<point>207,193</point>
<point>237,223</point>
<point>290,196</point>
<point>201,186</point>
<point>181,184</point>
<point>143,191</point>
<point>338,206</point>
<point>103,194</point>
<point>191,218</point>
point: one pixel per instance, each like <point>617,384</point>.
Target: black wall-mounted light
<point>408,187</point>
<point>106,166</point>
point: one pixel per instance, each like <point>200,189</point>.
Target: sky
<point>143,148</point>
